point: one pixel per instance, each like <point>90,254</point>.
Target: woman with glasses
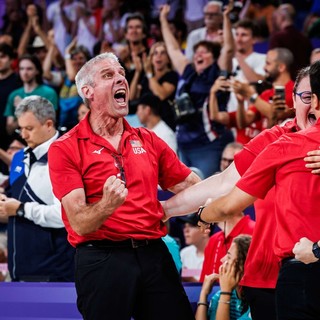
<point>262,266</point>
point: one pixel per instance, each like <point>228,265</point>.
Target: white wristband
<point>149,75</point>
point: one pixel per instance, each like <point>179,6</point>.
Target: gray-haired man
<point>37,240</point>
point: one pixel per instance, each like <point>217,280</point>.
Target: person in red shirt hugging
<point>106,174</point>
<point>262,267</point>
<point>282,165</point>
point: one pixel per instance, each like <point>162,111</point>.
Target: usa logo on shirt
<point>137,147</point>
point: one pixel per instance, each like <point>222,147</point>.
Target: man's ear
<point>49,123</point>
<point>87,91</point>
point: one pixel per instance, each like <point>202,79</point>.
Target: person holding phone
<point>267,109</point>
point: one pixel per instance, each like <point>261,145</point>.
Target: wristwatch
<point>316,250</point>
<point>253,98</point>
<point>199,215</point>
<point>20,211</point>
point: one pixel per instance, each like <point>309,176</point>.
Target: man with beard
<point>268,108</point>
<point>30,72</point>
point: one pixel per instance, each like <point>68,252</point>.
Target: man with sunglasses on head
<point>106,174</point>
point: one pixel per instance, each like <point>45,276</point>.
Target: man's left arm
<point>191,179</point>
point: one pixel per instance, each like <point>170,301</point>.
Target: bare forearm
<point>248,72</point>
<point>5,157</point>
<point>162,91</point>
<point>241,115</point>
<point>214,113</point>
<point>228,49</point>
<point>227,206</point>
<point>264,107</point>
<point>191,180</point>
<point>179,61</point>
<point>88,217</point>
<point>189,200</point>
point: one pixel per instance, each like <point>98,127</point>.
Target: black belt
<point>129,243</point>
<point>289,260</point>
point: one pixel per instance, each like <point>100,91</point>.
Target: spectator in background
<point>268,108</point>
<point>69,100</point>
<point>229,302</point>
<point>230,119</point>
<point>34,39</point>
<point>135,35</point>
<point>261,12</point>
<point>247,65</point>
<point>154,75</point>
<point>200,141</point>
<point>61,15</point>
<point>212,31</point>
<point>220,242</point>
<point>193,14</point>
<point>30,72</point>
<point>228,154</point>
<point>113,23</point>
<point>179,30</point>
<point>286,35</point>
<point>193,254</point>
<point>35,227</point>
<point>7,155</point>
<point>315,55</point>
<point>173,245</point>
<point>88,24</point>
<point>82,111</point>
<point>148,113</point>
<point>14,21</point>
<point>9,81</point>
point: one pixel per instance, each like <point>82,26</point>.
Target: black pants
<point>298,291</point>
<point>262,303</point>
<point>120,282</point>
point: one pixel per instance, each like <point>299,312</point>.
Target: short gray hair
<point>214,3</point>
<point>41,107</point>
<point>86,73</point>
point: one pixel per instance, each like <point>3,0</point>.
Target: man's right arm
<point>85,218</point>
<point>189,200</point>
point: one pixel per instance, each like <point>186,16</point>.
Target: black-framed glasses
<point>305,96</point>
<point>118,163</point>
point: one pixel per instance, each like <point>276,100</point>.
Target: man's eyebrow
<point>105,70</point>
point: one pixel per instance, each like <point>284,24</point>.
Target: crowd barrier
<point>52,300</point>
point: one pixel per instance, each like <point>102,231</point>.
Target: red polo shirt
<point>267,95</point>
<point>296,190</point>
<point>82,159</point>
<point>246,134</point>
<point>218,246</point>
<point>262,266</point>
